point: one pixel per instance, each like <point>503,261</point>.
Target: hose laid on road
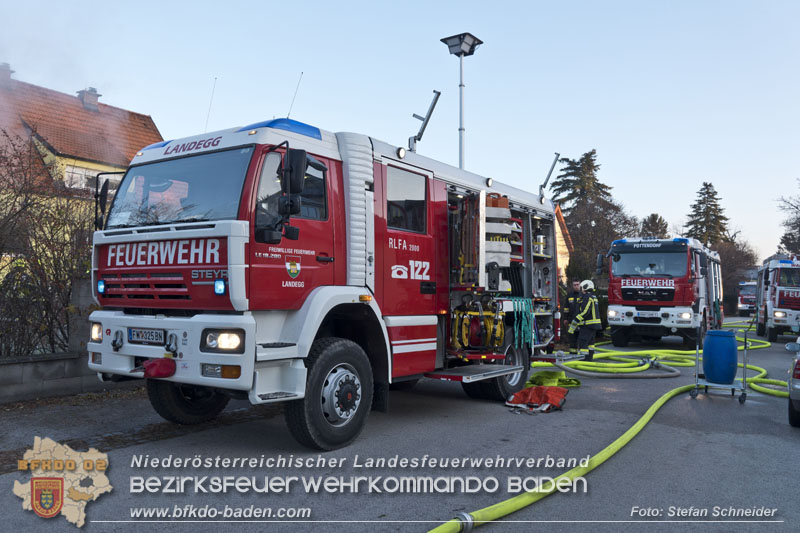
<point>623,367</point>
<point>499,510</point>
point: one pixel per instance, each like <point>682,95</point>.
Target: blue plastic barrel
<point>719,356</point>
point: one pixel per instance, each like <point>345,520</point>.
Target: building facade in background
<point>76,136</point>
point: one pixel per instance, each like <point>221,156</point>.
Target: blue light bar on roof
<point>681,239</point>
<point>288,125</point>
<point>786,261</point>
<point>620,241</point>
<point>156,145</point>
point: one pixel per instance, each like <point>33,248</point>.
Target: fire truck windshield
<point>789,277</point>
<point>747,290</point>
<point>668,264</point>
<point>188,189</point>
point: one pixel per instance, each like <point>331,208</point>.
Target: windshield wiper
<point>193,219</point>
<point>670,276</point>
<point>632,275</point>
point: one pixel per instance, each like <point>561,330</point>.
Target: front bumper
<point>666,319</point>
<point>188,357</point>
<point>791,322</point>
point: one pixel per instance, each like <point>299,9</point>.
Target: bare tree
<point>23,176</point>
<point>790,240</point>
<point>737,257</point>
<point>44,248</point>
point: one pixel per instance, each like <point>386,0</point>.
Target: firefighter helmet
<point>587,285</point>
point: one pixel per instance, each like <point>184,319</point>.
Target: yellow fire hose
<point>621,365</point>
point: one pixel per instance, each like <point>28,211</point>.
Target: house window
<point>405,200</point>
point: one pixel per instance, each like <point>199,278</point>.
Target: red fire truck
<point>778,296</point>
<point>746,298</point>
<point>662,287</point>
<point>282,263</point>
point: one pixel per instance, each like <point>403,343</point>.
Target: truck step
<point>277,344</point>
<point>473,373</point>
<point>278,396</point>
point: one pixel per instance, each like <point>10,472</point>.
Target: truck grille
<point>149,286</point>
<point>648,295</point>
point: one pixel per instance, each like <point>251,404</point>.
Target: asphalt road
<point>695,454</point>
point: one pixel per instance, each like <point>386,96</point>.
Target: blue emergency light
<point>219,286</point>
<point>101,286</point>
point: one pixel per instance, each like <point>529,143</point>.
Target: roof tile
<point>109,135</point>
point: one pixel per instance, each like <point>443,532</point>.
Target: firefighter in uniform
<point>570,311</point>
<point>587,319</point>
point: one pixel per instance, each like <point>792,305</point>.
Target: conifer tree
<point>707,221</point>
<point>790,240</point>
<point>578,183</point>
<point>654,225</point>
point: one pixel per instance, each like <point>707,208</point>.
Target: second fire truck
<point>662,287</point>
<point>778,296</point>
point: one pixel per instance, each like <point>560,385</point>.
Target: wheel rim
<point>511,360</point>
<point>341,395</point>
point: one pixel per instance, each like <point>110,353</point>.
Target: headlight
<point>612,313</point>
<point>225,341</point>
<point>97,332</point>
<point>779,314</point>
<point>685,316</point>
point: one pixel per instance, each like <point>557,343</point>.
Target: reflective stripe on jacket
<point>589,314</point>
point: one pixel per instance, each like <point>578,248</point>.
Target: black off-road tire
<point>620,338</point>
<point>772,334</point>
<point>185,404</point>
<point>499,389</point>
<point>794,415</point>
<point>335,367</point>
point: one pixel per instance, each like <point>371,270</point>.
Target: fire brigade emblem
<point>48,495</point>
<point>293,265</point>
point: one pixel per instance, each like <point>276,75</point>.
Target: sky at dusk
<point>670,94</point>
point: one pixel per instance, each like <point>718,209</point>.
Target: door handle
<point>324,259</point>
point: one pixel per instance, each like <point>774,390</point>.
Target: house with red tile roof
<point>77,136</point>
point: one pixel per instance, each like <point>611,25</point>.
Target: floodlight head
<point>463,44</point>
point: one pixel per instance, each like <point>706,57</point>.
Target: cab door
<point>282,275</point>
<point>408,238</point>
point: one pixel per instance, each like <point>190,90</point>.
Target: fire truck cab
<point>746,297</point>
<point>278,262</point>
<point>778,296</point>
<point>662,287</point>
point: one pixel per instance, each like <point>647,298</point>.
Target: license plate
<point>145,336</point>
<point>647,314</point>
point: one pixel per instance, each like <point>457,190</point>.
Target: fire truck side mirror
<point>289,205</point>
<point>297,162</point>
<point>703,261</point>
<point>291,232</point>
<point>103,197</point>
<point>703,271</point>
<point>600,263</point>
<point>268,236</point>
